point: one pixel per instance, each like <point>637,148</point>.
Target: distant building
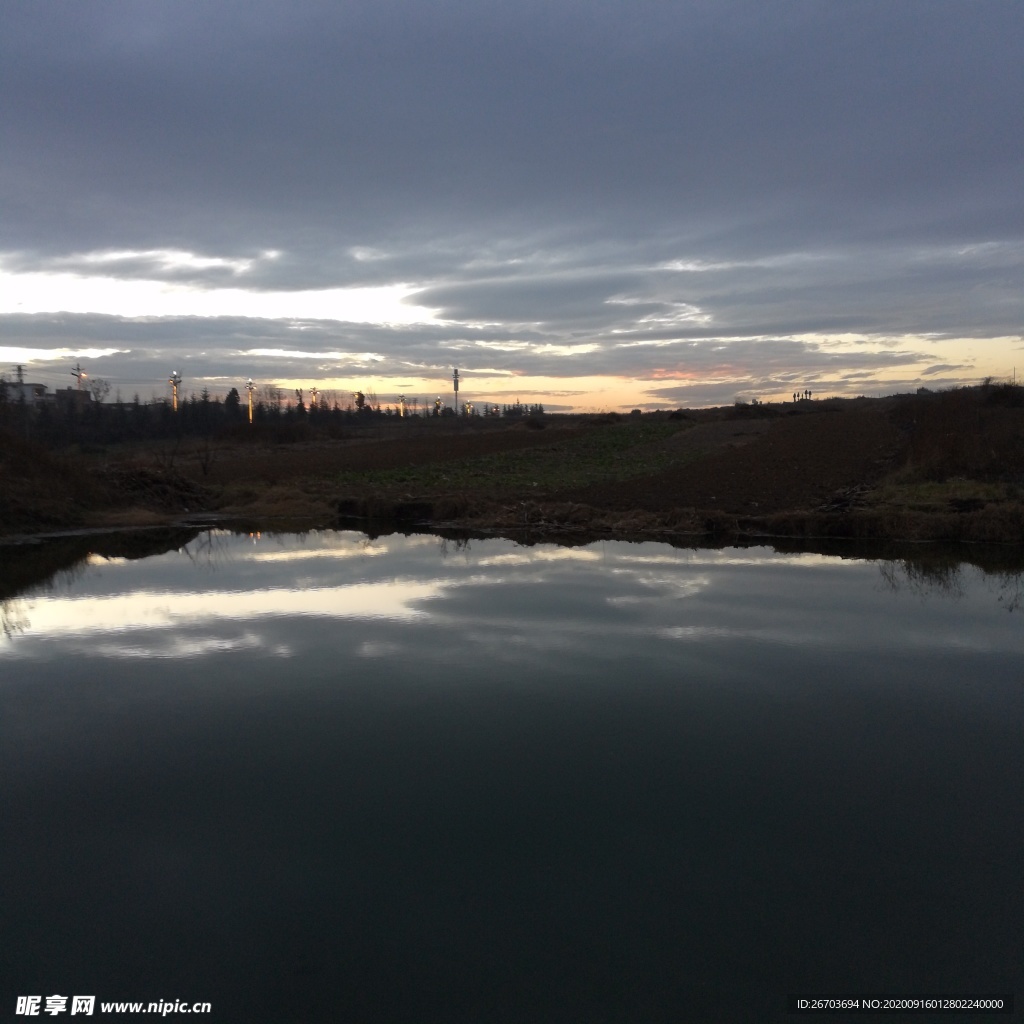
<point>30,394</point>
<point>72,397</point>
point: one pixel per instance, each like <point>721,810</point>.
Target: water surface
<point>408,779</point>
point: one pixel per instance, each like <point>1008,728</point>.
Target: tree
<point>100,388</point>
<point>271,394</point>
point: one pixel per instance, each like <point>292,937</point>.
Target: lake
<point>409,779</point>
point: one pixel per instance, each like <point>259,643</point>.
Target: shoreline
<point>554,522</point>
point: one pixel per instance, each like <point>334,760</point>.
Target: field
<point>947,466</point>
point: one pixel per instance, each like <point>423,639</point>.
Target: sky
<point>595,205</point>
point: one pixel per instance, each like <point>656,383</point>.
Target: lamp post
<point>174,380</point>
<point>250,387</point>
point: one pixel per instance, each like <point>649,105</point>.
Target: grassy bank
<point>927,467</point>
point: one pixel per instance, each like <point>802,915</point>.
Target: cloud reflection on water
<point>174,646</point>
<point>142,609</point>
<point>414,599</point>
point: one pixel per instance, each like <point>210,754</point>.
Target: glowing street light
<point>174,380</point>
<point>250,387</point>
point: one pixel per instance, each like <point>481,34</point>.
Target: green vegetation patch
<point>608,452</point>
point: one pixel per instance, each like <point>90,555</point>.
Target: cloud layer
<point>732,193</point>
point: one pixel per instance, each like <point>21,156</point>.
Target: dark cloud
<point>386,118</point>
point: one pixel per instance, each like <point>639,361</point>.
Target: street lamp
<point>174,380</point>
